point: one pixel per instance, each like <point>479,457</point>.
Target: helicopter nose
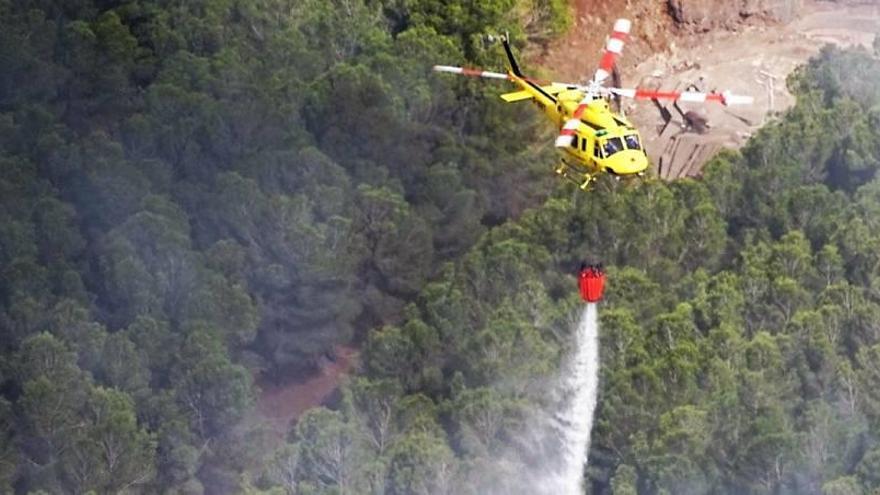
<point>632,163</point>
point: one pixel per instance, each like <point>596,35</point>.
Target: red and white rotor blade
<point>464,71</point>
<point>569,129</point>
<point>725,98</point>
<point>613,48</point>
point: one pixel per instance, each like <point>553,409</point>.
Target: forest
<point>194,194</point>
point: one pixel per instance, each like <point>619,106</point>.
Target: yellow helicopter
<point>592,139</point>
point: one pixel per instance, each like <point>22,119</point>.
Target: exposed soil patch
<point>574,57</point>
<point>280,405</point>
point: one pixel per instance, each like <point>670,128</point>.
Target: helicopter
<point>592,138</point>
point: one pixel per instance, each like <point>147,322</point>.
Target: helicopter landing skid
<point>582,179</point>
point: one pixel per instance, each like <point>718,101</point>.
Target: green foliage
<point>738,345</point>
<point>624,481</point>
<point>845,485</point>
<point>213,391</point>
<point>328,447</point>
<point>421,464</point>
<point>188,187</point>
<point>83,435</point>
<point>8,453</point>
<point>110,451</point>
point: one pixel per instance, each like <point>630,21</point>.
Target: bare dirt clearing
<point>279,405</point>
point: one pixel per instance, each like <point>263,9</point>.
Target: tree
<point>54,390</point>
<point>624,481</point>
<point>684,436</point>
<point>58,236</point>
<point>9,456</point>
<point>867,471</point>
<point>845,485</point>
<point>397,242</point>
<point>110,452</point>
<point>152,338</point>
<point>408,352</point>
<point>329,451</point>
<point>791,256</point>
<point>421,464</point>
<point>718,301</point>
<point>828,440</point>
<point>226,306</point>
<point>212,390</point>
<point>44,356</point>
<point>510,346</point>
<point>283,469</point>
<point>829,263</point>
<point>123,368</point>
<point>868,378</point>
<point>375,408</point>
<point>71,322</point>
<point>481,417</point>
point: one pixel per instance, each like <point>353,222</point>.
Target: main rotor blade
<point>566,134</point>
<point>725,98</point>
<point>464,71</point>
<point>613,48</point>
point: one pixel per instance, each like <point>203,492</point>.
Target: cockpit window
<point>632,142</point>
<point>612,146</point>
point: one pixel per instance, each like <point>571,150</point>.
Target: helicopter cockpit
<point>613,145</point>
<point>632,142</point>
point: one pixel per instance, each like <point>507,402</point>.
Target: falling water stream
<point>549,457</point>
<point>575,418</point>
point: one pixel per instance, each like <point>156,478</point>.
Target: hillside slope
<point>739,343</point>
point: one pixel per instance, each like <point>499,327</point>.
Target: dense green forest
<point>195,193</point>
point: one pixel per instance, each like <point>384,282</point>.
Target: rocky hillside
<point>704,15</point>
